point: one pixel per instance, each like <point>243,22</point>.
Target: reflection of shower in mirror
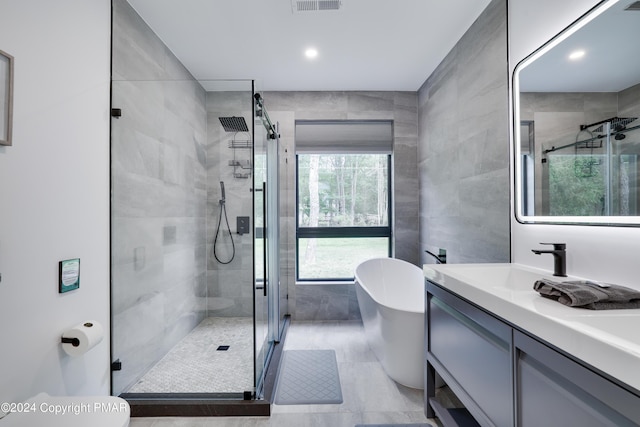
<point>576,133</point>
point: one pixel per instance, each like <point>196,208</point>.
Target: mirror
<point>577,122</point>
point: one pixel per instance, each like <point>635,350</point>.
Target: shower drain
<point>223,348</point>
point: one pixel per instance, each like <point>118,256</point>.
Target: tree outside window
<point>343,213</point>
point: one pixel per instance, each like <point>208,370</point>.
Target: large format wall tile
<point>629,102</point>
<point>159,198</point>
<point>463,147</point>
<point>320,302</point>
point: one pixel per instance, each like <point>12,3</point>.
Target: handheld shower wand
<point>223,210</point>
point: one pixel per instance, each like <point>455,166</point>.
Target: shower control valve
<point>242,225</point>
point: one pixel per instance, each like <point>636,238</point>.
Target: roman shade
<point>345,136</point>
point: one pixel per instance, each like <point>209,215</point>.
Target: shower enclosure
<point>194,219</point>
<point>194,236</point>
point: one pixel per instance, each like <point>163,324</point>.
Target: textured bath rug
<point>308,377</point>
<point>393,425</point>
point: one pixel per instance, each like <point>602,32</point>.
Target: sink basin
<point>509,277</point>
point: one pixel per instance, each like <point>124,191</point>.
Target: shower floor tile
<point>195,365</point>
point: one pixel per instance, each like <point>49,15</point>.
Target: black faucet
<point>559,253</point>
<point>441,258</point>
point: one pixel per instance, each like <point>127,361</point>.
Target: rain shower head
<point>234,124</point>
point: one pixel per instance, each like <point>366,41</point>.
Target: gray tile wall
<point>451,182</point>
<point>463,147</point>
<point>159,177</point>
<point>338,302</point>
<point>629,102</point>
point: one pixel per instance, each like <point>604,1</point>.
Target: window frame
<point>341,232</point>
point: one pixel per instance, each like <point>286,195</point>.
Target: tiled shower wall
<point>558,115</point>
<point>229,285</point>
<point>158,198</point>
<point>464,147</point>
<point>338,302</point>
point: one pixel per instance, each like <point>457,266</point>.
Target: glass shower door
<point>266,259</point>
<point>625,168</point>
<point>260,250</point>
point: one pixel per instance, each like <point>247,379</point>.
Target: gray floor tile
<point>370,396</point>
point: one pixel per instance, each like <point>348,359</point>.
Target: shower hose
<point>223,209</point>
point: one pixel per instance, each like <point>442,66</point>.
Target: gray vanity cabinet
<point>507,377</point>
<point>471,350</point>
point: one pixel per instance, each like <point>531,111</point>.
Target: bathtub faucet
<point>559,253</point>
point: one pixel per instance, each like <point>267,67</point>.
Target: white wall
<point>599,253</point>
<point>54,194</point>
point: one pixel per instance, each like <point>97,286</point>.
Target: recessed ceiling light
<point>311,53</point>
<point>576,55</point>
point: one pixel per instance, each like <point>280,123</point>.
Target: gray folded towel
<point>585,294</point>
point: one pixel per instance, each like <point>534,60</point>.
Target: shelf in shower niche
<point>234,143</point>
<point>241,175</point>
<point>244,164</point>
<point>590,144</point>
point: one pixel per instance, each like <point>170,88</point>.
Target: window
<point>343,197</point>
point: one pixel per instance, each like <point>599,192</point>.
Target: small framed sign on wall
<point>69,275</point>
<point>6,97</point>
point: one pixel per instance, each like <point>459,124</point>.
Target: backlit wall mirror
<point>577,122</point>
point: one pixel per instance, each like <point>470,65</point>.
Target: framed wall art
<point>6,97</point>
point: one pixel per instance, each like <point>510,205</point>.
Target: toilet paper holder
<point>73,341</point>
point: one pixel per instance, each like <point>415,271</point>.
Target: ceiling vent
<point>314,5</point>
<point>633,6</point>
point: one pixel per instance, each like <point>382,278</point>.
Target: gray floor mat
<point>308,377</point>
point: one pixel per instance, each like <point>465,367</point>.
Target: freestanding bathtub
<point>391,299</point>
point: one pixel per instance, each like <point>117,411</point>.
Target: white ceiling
<point>366,45</point>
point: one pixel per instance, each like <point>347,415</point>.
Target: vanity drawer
<point>472,351</point>
<point>552,389</point>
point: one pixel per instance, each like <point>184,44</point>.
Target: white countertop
<point>606,339</point>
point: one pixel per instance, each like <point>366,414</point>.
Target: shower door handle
<point>265,234</point>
